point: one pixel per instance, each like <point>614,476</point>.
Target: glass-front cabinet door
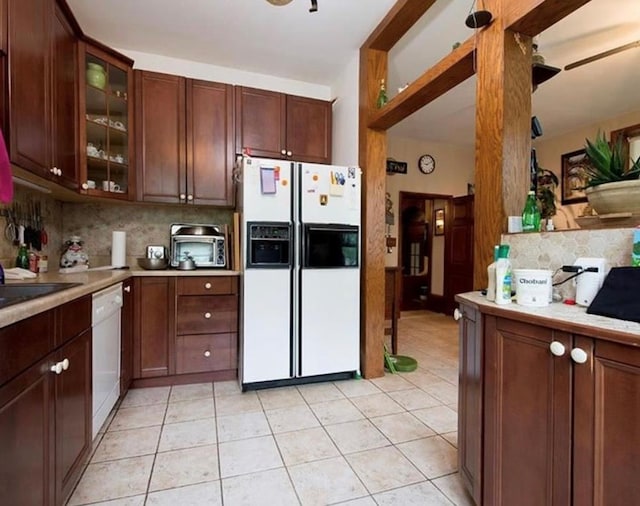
<point>106,133</point>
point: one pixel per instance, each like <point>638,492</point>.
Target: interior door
<point>458,249</point>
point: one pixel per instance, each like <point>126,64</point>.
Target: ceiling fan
<point>314,4</point>
<point>604,54</point>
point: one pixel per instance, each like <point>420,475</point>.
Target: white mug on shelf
<point>110,186</point>
<point>91,184</point>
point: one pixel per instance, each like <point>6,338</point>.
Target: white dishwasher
<point>105,320</point>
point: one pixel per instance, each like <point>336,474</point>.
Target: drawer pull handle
<point>207,286</point>
<point>207,315</point>
<point>207,353</point>
<point>557,348</point>
<point>457,314</point>
<point>579,356</point>
<point>57,368</point>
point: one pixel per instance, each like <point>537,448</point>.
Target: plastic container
<point>533,287</point>
<point>22,260</point>
<point>491,275</point>
<point>503,276</point>
<point>531,214</point>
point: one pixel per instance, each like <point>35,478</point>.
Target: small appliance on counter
<point>205,245</point>
<point>588,283</point>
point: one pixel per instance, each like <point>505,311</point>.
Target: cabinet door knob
<point>579,356</point>
<point>557,348</point>
<point>283,152</point>
<point>457,314</point>
<point>127,289</point>
<point>289,153</point>
<point>57,368</point>
<point>65,364</point>
<point>207,286</point>
<point>183,196</point>
<point>207,353</point>
<point>189,197</point>
<point>207,315</point>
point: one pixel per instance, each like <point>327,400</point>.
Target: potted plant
<point>546,193</point>
<point>612,187</point>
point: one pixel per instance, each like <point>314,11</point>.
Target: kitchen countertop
<point>90,282</point>
<point>565,317</point>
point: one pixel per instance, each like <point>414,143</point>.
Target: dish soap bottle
<point>382,95</point>
<point>22,260</point>
<point>491,275</point>
<point>531,214</point>
<point>503,276</point>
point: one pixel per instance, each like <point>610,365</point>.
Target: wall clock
<point>427,164</point>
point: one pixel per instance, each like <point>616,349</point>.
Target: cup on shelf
<point>110,186</point>
<point>91,184</point>
<point>118,158</point>
<point>92,150</point>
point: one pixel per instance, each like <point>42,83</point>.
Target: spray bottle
<point>503,276</point>
<point>491,275</point>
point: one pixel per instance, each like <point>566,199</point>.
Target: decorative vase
<point>618,197</point>
<point>96,75</point>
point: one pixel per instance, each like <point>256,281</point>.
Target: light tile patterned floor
<point>390,440</point>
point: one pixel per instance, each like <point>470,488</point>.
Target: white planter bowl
<point>612,198</point>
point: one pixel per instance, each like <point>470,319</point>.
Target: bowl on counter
<point>153,264</point>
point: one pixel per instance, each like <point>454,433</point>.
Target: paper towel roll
<point>118,248</point>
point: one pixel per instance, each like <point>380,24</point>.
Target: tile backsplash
<point>94,222</point>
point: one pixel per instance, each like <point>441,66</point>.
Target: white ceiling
<point>289,42</point>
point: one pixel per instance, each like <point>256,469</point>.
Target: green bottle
<point>531,214</point>
<point>382,95</point>
<point>22,260</point>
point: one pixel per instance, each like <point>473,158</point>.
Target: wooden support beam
<point>402,16</point>
<point>453,69</point>
<point>530,17</point>
<point>372,159</point>
<point>503,135</point>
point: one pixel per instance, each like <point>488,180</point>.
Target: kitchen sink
<point>21,292</point>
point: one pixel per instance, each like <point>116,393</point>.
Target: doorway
<point>421,250</point>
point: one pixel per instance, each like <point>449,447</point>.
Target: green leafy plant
<point>546,192</point>
<point>608,163</point>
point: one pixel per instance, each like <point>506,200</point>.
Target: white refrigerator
<point>301,271</point>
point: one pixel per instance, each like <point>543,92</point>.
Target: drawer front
<point>73,318</point>
<point>24,343</point>
<point>207,285</point>
<point>207,315</point>
<point>207,352</point>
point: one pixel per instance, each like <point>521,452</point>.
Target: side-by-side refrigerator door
<point>329,194</point>
<point>266,190</point>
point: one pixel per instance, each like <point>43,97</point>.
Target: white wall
<point>549,153</point>
<point>345,114</point>
<point>207,72</point>
<point>454,170</point>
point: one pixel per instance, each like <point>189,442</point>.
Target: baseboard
<point>185,379</point>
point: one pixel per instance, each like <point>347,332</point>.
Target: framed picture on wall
<point>438,220</point>
<point>574,177</point>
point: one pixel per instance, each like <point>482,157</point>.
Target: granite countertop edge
<point>89,282</point>
<point>570,318</point>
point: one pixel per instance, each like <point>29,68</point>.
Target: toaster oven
<point>205,244</point>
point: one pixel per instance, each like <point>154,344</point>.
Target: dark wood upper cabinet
<point>276,125</point>
<point>30,84</point>
<point>210,152</point>
<point>42,133</point>
<point>185,140</point>
<point>64,86</point>
<point>308,129</point>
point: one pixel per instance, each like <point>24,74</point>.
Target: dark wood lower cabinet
<point>45,406</point>
<point>73,405</point>
<point>27,437</point>
<point>126,336</point>
<point>554,414</point>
